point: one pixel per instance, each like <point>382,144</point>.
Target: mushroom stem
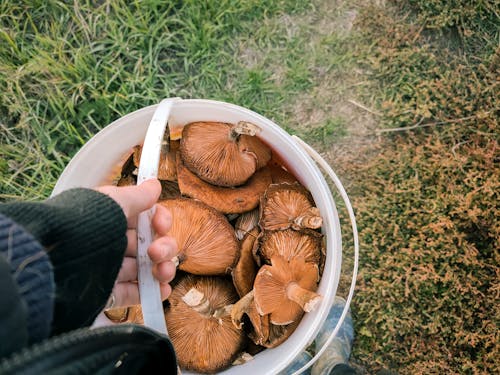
<point>243,127</point>
<point>222,311</point>
<point>175,260</point>
<point>241,307</point>
<point>309,219</point>
<point>242,359</point>
<point>305,298</point>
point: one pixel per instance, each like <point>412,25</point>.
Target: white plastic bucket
<point>91,166</point>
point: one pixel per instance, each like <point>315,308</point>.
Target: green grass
<point>424,186</point>
<point>67,71</point>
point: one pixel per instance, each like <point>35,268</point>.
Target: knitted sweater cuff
<point>84,233</point>
<point>82,217</point>
<point>27,288</point>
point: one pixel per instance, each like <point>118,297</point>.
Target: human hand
<point>133,200</point>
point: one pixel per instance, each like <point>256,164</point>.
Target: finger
<point>144,196</point>
<point>164,272</point>
<point>165,290</point>
<point>134,199</point>
<point>126,294</point>
<point>162,220</point>
<point>131,243</point>
<point>128,271</point>
<point>162,249</point>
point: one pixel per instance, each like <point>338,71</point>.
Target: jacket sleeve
<point>26,286</point>
<point>84,234</point>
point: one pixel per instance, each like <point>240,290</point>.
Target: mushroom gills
<point>223,154</point>
<point>285,289</point>
<point>290,244</point>
<point>205,239</point>
<point>199,323</point>
<point>285,206</point>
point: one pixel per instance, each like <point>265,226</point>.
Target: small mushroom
<point>286,206</point>
<point>246,222</point>
<point>117,315</point>
<point>199,323</point>
<point>290,244</point>
<point>129,314</point>
<point>285,289</point>
<point>243,358</point>
<point>226,200</point>
<point>280,174</point>
<point>245,270</point>
<point>223,154</point>
<point>122,173</point>
<point>205,239</point>
<point>279,333</point>
<point>259,330</point>
<point>169,189</point>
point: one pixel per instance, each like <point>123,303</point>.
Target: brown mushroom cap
<point>222,154</point>
<point>291,244</point>
<point>117,315</point>
<point>285,289</point>
<point>130,314</point>
<point>286,206</point>
<point>205,239</point>
<point>245,270</point>
<point>280,174</point>
<point>226,200</point>
<point>204,340</point>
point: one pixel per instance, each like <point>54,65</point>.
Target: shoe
<point>339,349</point>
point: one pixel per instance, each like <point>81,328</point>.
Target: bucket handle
<point>329,171</point>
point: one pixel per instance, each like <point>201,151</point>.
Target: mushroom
<point>245,270</point>
<point>286,206</point>
<point>279,333</point>
<point>290,244</point>
<point>262,332</point>
<point>169,189</point>
<point>166,168</point>
<point>205,239</point>
<point>259,330</point>
<point>130,314</point>
<point>223,154</point>
<point>117,315</point>
<point>285,289</point>
<point>246,222</point>
<point>280,174</point>
<point>226,200</point>
<point>199,323</point>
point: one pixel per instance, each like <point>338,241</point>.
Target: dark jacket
<point>58,263</point>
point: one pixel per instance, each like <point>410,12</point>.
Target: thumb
<point>142,197</point>
<point>134,199</point>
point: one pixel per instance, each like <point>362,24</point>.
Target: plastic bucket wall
<point>91,166</point>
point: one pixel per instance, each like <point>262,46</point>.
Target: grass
<point>401,99</point>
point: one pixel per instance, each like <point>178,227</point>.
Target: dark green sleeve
<point>84,233</point>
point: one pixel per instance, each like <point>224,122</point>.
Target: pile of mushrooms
<point>249,240</point>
